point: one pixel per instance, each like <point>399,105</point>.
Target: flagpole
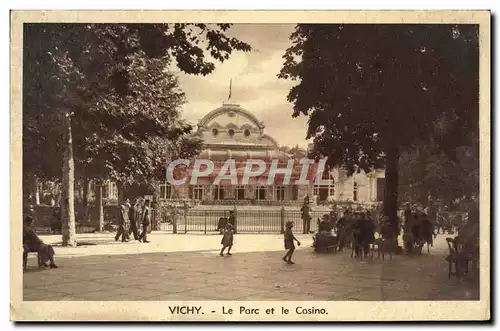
<point>230,88</point>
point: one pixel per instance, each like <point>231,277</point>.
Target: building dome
<point>232,125</point>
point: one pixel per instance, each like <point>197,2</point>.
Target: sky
<point>255,86</point>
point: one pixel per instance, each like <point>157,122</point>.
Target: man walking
<point>132,213</point>
<point>146,221</point>
<point>123,223</point>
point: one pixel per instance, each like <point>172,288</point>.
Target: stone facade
<point>231,132</point>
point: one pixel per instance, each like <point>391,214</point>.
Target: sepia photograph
<point>250,166</point>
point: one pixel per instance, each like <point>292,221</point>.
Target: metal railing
<point>252,202</point>
<point>247,221</point>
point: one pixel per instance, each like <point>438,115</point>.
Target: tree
<point>371,91</point>
<point>427,172</point>
<point>100,79</point>
<point>295,151</point>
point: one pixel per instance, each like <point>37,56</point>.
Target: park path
<point>187,267</point>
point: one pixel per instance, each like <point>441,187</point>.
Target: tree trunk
<point>86,200</point>
<point>68,187</point>
<point>36,187</point>
<point>391,186</point>
<point>100,207</point>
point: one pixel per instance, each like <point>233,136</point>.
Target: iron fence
<point>247,221</point>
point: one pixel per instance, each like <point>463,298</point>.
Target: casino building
<point>232,132</point>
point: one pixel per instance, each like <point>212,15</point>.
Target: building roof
<point>232,125</point>
<point>242,154</point>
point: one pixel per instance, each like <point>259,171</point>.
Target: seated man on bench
<point>33,244</point>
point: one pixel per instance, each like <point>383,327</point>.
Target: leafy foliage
<point>373,91</point>
<point>296,151</point>
<point>367,88</point>
<point>113,79</point>
<point>427,172</point>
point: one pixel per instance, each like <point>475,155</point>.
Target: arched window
<point>355,191</point>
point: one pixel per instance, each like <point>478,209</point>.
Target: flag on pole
<point>230,87</point>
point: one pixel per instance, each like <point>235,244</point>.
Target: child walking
<point>289,243</point>
<point>227,239</point>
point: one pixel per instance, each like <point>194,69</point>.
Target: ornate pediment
<point>233,125</point>
<point>231,111</point>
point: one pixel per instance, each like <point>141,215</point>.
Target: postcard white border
<point>339,311</point>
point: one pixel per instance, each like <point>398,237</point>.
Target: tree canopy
<point>371,91</point>
<point>296,151</point>
<point>428,175</point>
<point>99,96</point>
<point>368,87</point>
<point>114,80</point>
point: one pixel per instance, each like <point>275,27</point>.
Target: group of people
<point>130,217</point>
<point>418,227</point>
<point>359,228</point>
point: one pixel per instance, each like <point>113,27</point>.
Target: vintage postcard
<point>250,166</point>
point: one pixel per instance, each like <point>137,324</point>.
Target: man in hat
<point>306,217</point>
<point>32,243</point>
<point>132,213</point>
<point>146,221</point>
<point>123,223</point>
